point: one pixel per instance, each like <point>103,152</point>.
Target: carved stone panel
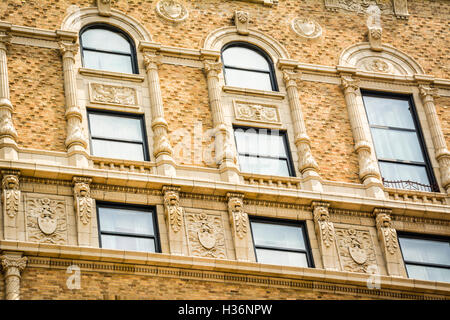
<point>359,6</point>
<point>306,28</point>
<point>46,220</point>
<point>172,10</point>
<point>355,249</point>
<point>256,112</point>
<point>113,95</point>
<point>205,233</point>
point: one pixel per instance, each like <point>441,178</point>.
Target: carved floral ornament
<point>84,202</point>
<point>11,199</point>
<point>398,7</point>
<point>171,10</point>
<point>174,213</point>
<point>384,226</point>
<point>326,228</point>
<point>256,112</point>
<point>306,28</point>
<point>109,94</point>
<point>238,216</point>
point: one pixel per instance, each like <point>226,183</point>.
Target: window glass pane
<point>267,166</point>
<point>107,61</point>
<point>425,251</point>
<point>388,112</point>
<point>428,273</point>
<point>126,221</point>
<point>276,235</point>
<point>115,127</point>
<point>397,145</point>
<point>118,150</point>
<point>107,40</point>
<point>248,79</point>
<point>244,58</point>
<point>260,142</point>
<point>284,258</point>
<point>404,172</point>
<point>128,243</point>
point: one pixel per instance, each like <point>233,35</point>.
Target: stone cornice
<point>206,269</point>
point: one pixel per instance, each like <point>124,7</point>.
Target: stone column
<point>11,202</point>
<point>389,242</point>
<point>306,163</point>
<point>368,168</point>
<point>442,153</point>
<point>83,209</point>
<point>8,134</point>
<point>225,152</point>
<point>12,264</point>
<point>325,235</point>
<point>174,219</point>
<point>239,225</point>
<point>162,150</point>
<point>76,141</point>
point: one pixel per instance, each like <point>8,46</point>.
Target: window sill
<point>123,165</point>
<point>271,181</point>
<point>253,92</point>
<point>111,75</point>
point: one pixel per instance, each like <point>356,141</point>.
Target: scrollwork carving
<point>174,213</point>
<point>325,226</point>
<point>10,185</point>
<point>385,231</point>
<point>102,93</point>
<point>239,219</point>
<point>83,200</point>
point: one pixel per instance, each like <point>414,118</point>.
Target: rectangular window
<point>398,142</point>
<point>426,258</point>
<point>263,151</point>
<point>118,136</point>
<point>281,243</point>
<point>125,227</point>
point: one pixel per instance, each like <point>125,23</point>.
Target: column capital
<point>212,68</point>
<point>427,92</point>
<point>13,261</point>
<point>152,60</point>
<point>5,40</point>
<point>290,77</point>
<point>68,49</point>
<point>350,84</point>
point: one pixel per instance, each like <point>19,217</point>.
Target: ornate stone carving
<point>350,84</point>
<point>46,220</point>
<point>401,9</point>
<point>83,201</point>
<point>239,219</point>
<point>11,193</point>
<point>246,111</point>
<point>109,94</point>
<point>355,249</point>
<point>171,10</point>
<point>104,7</point>
<point>377,65</point>
<point>151,60</point>
<point>325,226</point>
<point>174,213</point>
<point>306,28</point>
<point>205,235</point>
<point>241,19</point>
<point>68,49</point>
<point>359,6</point>
<point>12,265</point>
<point>385,231</point>
<point>212,68</point>
<point>374,26</point>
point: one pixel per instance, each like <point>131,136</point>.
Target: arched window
<point>246,66</point>
<point>107,48</point>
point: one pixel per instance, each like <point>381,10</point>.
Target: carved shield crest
<point>306,28</point>
<point>47,224</point>
<point>206,236</point>
<point>358,254</point>
<point>173,9</point>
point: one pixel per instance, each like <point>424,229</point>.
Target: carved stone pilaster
<point>225,153</point>
<point>12,265</point>
<point>239,225</point>
<point>427,94</point>
<point>241,19</point>
<point>104,7</point>
<point>387,236</point>
<point>76,140</point>
<point>307,165</point>
<point>8,133</point>
<point>325,235</point>
<point>83,208</point>
<point>162,149</point>
<point>11,201</point>
<point>174,215</point>
<point>368,168</point>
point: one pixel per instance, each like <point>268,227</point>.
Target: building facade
<point>222,149</point>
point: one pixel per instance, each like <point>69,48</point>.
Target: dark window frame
<point>434,187</point>
<point>121,115</point>
<point>135,207</point>
<point>420,236</point>
<point>105,26</point>
<point>287,222</point>
<point>288,157</point>
<point>261,52</point>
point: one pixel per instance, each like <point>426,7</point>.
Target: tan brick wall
<point>50,284</point>
<point>37,94</point>
<point>186,108</point>
<point>326,115</point>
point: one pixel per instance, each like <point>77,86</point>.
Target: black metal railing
<point>410,185</point>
